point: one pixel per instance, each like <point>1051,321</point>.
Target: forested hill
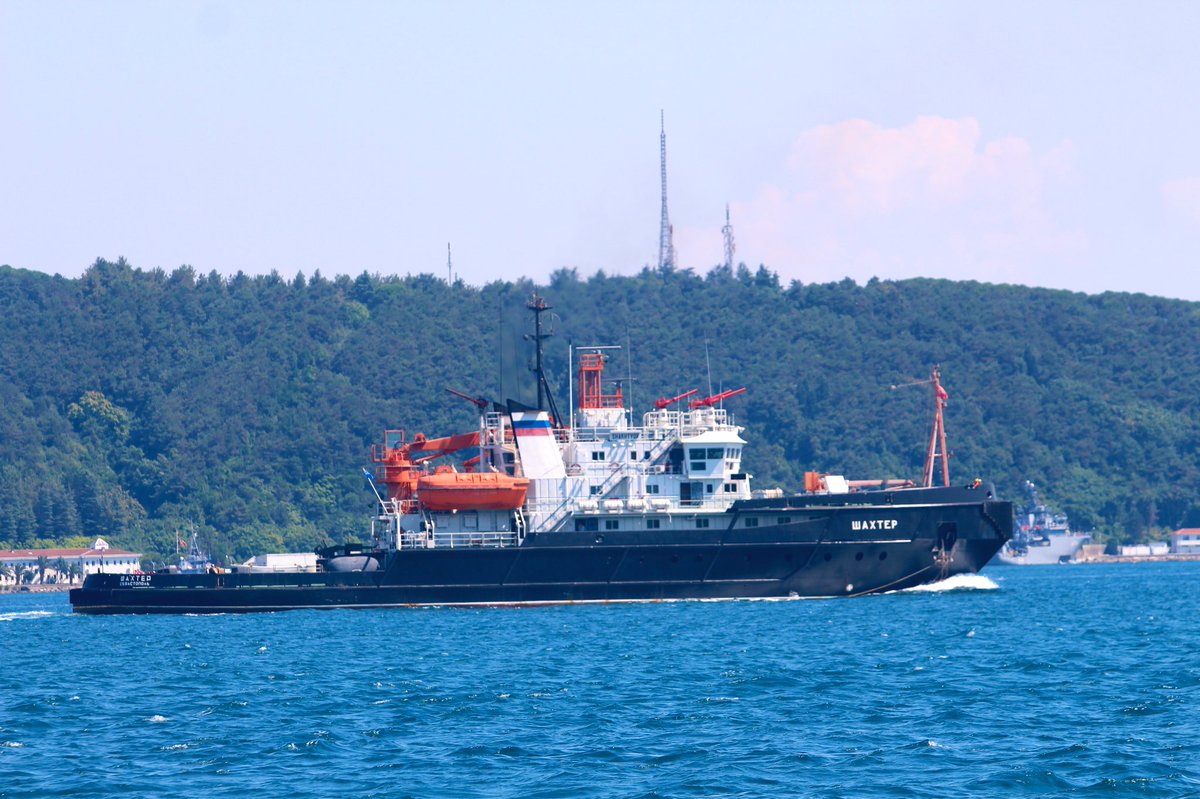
<point>135,403</point>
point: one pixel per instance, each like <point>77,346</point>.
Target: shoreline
<point>1171,557</point>
<point>49,588</point>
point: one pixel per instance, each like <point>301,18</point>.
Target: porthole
<point>828,557</point>
<point>883,556</point>
<point>858,556</point>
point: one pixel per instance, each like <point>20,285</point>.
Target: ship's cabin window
<point>598,455</point>
<point>509,458</point>
<point>587,525</point>
<point>653,524</point>
<point>633,454</point>
<point>731,488</point>
<point>752,521</point>
<point>708,488</point>
<point>470,519</point>
<point>652,488</point>
<point>715,454</point>
<point>701,524</point>
<point>612,524</point>
<point>594,490</point>
<point>783,519</point>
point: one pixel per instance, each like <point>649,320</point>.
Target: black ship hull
<point>804,546</point>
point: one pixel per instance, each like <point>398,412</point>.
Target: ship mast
<point>937,437</point>
<point>544,397</point>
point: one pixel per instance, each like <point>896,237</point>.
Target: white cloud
<point>1182,198</point>
<point>932,198</point>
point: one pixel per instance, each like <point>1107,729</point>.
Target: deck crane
<point>662,403</point>
<point>480,402</point>
<point>937,438</point>
<point>715,399</point>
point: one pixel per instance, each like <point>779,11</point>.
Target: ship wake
<point>959,582</point>
<point>29,614</point>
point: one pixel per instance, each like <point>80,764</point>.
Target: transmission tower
<point>666,243</point>
<point>727,232</point>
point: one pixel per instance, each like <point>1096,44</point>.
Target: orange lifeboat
<point>447,489</point>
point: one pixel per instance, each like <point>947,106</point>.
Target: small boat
<point>447,489</point>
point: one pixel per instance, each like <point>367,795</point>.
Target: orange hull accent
<point>471,491</point>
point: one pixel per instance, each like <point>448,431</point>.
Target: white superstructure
<point>678,469</point>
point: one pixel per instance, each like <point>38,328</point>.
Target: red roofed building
<point>21,565</point>
<point>1186,541</point>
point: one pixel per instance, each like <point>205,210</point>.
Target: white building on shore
<point>1186,541</point>
<point>21,566</point>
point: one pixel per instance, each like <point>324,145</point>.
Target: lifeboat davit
<point>446,490</point>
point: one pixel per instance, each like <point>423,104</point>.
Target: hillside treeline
<point>135,404</point>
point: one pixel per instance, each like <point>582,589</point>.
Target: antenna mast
<point>449,267</point>
<point>666,243</point>
<point>727,232</point>
<point>538,306</point>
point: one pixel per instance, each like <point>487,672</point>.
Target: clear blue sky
<point>1051,144</point>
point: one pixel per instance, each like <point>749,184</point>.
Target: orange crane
<point>399,471</point>
<point>937,438</point>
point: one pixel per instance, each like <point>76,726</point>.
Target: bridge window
<point>715,454</point>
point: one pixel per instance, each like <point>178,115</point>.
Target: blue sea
<point>1038,681</point>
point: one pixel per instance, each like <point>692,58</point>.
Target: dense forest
<point>135,404</point>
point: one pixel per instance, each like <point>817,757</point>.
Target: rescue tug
<point>596,508</point>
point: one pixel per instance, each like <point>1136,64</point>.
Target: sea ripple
<point>1050,681</point>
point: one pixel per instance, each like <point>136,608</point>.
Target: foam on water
<point>959,582</point>
<point>28,614</point>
